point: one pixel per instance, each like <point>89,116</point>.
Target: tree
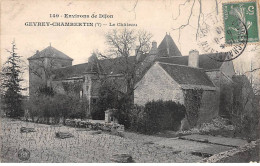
<point>253,75</point>
<point>245,114</point>
<point>123,44</point>
<point>42,66</point>
<point>193,10</point>
<point>43,69</point>
<point>12,97</point>
<point>109,95</point>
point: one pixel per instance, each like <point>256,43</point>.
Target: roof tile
<point>168,48</point>
<point>50,52</point>
<point>185,75</point>
<point>206,61</point>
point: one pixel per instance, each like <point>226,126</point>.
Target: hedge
<point>156,116</point>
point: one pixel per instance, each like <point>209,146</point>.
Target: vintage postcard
<point>130,81</point>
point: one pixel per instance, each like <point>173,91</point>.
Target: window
<point>81,94</point>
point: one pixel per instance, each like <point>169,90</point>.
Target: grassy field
<point>83,147</point>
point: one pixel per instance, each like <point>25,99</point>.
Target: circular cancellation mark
<point>24,154</point>
<point>212,39</point>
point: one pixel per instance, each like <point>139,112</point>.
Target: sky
<point>157,17</point>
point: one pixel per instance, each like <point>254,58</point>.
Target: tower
<point>168,48</point>
<point>41,65</point>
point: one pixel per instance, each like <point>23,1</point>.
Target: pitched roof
<point>50,52</point>
<point>70,71</point>
<point>108,66</point>
<point>168,48</point>
<point>206,61</point>
<point>188,77</point>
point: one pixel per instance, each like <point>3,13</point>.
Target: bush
<point>45,107</point>
<point>156,116</point>
<point>98,112</point>
<point>108,98</point>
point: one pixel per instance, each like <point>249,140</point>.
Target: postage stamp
<point>232,32</point>
<point>212,38</point>
<point>243,12</point>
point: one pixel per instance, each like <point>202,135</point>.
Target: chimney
<point>193,58</point>
<point>153,50</point>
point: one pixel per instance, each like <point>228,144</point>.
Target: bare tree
<point>43,68</point>
<point>253,77</point>
<point>193,11</point>
<point>123,44</point>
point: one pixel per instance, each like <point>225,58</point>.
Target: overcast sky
<point>157,17</point>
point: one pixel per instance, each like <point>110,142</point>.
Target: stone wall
<point>226,96</point>
<point>243,154</point>
<point>38,66</point>
<point>90,88</point>
<point>222,78</point>
<point>86,86</point>
<point>157,85</point>
<point>209,106</point>
<point>225,84</point>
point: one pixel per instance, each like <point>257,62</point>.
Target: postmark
<point>24,154</point>
<point>213,34</point>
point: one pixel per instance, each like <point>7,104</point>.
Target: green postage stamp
<point>244,13</point>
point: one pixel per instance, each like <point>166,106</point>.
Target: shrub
<point>98,112</point>
<point>57,106</point>
<point>108,98</point>
<point>156,116</point>
<point>123,112</point>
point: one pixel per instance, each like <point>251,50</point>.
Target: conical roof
<point>168,48</point>
<point>50,52</point>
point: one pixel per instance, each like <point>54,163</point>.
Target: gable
<point>228,68</point>
<point>156,84</point>
<point>156,75</point>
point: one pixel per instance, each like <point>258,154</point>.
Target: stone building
<point>42,64</point>
<point>163,73</point>
<point>169,77</point>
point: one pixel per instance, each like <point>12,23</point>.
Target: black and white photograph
<point>130,81</point>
